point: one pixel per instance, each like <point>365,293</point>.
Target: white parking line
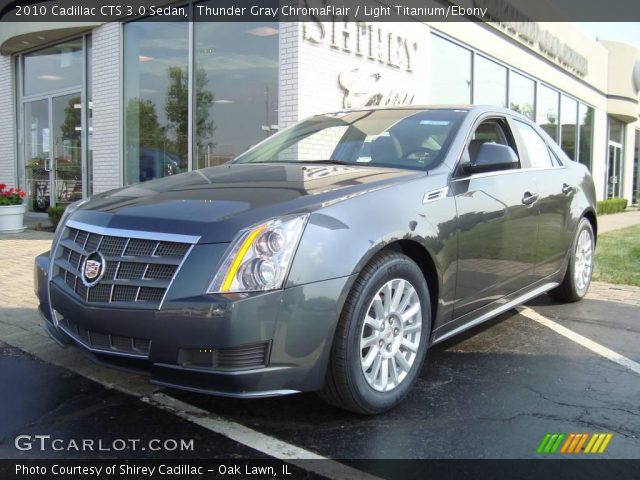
<point>42,347</point>
<point>258,441</point>
<point>580,340</point>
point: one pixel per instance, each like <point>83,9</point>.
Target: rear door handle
<point>529,198</point>
<point>567,189</point>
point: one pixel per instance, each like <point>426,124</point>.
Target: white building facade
<point>90,107</point>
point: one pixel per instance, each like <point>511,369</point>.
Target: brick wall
<point>288,74</point>
<point>8,162</point>
<point>107,118</point>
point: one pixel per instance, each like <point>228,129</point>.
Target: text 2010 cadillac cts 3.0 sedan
<point>327,258</point>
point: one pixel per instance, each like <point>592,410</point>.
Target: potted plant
<point>12,209</point>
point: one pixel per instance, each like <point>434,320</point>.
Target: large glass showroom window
<point>522,94</point>
<point>585,117</point>
<point>236,85</point>
<point>635,192</point>
<point>54,68</point>
<point>490,82</point>
<point>156,57</point>
<point>234,90</point>
<point>450,72</point>
<point>568,116</point>
<point>547,110</point>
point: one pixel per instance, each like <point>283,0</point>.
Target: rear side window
<point>537,149</point>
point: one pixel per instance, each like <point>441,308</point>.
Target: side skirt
<point>472,319</point>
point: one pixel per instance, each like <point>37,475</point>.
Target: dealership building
<point>87,107</point>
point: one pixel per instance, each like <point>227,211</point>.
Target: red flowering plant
<point>10,196</point>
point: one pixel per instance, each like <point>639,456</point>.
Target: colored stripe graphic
<point>565,447</point>
<point>573,442</point>
<point>543,443</point>
<point>551,442</point>
<point>598,443</point>
<point>581,443</point>
<point>591,443</point>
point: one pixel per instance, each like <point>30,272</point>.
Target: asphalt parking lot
<point>493,392</point>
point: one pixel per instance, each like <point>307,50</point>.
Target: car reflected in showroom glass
<point>329,257</point>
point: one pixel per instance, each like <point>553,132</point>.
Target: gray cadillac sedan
<point>327,258</point>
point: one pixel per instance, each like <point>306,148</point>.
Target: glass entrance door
<point>53,150</point>
<point>66,168</point>
<point>37,153</point>
<point>613,170</point>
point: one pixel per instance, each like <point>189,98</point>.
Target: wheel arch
<point>421,256</point>
<point>590,215</point>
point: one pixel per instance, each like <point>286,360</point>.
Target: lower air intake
<point>245,357</point>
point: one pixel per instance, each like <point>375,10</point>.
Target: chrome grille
<point>138,270</point>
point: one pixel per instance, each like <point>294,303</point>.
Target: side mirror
<point>492,157</point>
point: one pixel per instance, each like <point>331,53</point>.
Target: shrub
<point>611,205</point>
<point>55,214</point>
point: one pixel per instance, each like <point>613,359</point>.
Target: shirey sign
<point>368,63</point>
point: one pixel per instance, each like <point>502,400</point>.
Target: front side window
<point>492,130</point>
<point>400,138</point>
<point>537,150</point>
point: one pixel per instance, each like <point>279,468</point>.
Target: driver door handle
<point>529,198</point>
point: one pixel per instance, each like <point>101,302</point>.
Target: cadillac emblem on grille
<point>93,268</point>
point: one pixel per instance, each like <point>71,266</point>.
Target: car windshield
<point>399,138</point>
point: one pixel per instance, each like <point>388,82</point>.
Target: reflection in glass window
<point>155,99</point>
<point>585,117</point>
<point>53,68</point>
<point>568,113</point>
<point>616,130</point>
<point>89,138</point>
<point>537,150</point>
<point>490,83</point>
<point>392,138</point>
<point>236,83</point>
<point>450,72</point>
<point>635,193</point>
<point>522,94</point>
<point>547,111</point>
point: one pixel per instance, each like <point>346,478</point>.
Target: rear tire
<point>381,338</point>
<point>577,277</point>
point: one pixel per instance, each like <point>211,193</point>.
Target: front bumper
<point>290,330</point>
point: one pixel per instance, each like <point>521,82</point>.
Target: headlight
<point>259,257</point>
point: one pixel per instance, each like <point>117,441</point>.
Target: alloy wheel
<point>390,335</point>
<point>583,261</point>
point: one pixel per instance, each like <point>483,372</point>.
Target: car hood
<point>215,203</point>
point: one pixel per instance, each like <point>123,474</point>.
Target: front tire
<point>381,338</point>
<point>577,277</point>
